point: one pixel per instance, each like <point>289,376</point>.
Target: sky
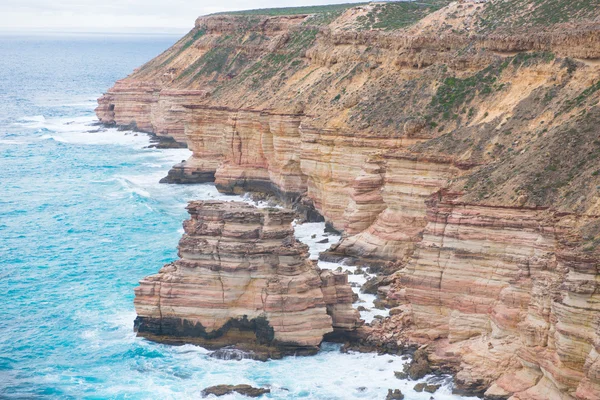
<point>146,16</point>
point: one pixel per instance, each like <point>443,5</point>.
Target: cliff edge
<point>454,144</point>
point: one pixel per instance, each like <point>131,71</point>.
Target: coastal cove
<point>83,219</point>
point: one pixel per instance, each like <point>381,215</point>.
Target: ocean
<point>83,219</point>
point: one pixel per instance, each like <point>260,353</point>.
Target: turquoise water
<point>83,218</point>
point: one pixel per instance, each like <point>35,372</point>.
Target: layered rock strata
<point>496,102</point>
<point>405,183</point>
<point>497,289</point>
<point>162,109</point>
<point>242,279</point>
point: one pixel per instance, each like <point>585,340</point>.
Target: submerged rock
<point>394,395</point>
<point>400,374</point>
<point>431,388</point>
<point>419,387</point>
<point>246,390</point>
<point>236,354</point>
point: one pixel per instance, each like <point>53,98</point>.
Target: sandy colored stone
<point>242,278</point>
<point>487,215</point>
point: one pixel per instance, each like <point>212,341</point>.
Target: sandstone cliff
<point>242,279</point>
<point>455,145</point>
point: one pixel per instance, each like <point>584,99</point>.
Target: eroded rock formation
<point>501,290</point>
<point>242,279</point>
<point>458,152</point>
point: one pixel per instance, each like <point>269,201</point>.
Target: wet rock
<point>396,311</point>
<point>370,286</point>
<point>395,394</point>
<point>419,387</point>
<point>326,240</point>
<point>246,390</point>
<point>431,388</point>
<point>182,174</point>
<point>362,308</point>
<point>466,385</point>
<point>419,366</point>
<point>400,374</point>
<point>379,304</point>
<point>424,387</point>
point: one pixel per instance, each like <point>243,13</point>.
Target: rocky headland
<point>454,144</point>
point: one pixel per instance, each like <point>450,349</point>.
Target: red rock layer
<point>406,182</point>
<point>367,126</point>
<point>243,279</point>
<point>495,287</point>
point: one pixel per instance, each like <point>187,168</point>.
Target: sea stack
<point>243,280</point>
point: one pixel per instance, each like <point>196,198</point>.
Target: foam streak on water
<point>313,234</point>
<point>83,218</point>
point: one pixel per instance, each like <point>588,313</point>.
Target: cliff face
<point>456,148</point>
<point>242,279</point>
<point>501,288</point>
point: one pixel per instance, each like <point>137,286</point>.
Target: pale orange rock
<point>494,286</point>
<point>242,279</point>
<point>407,182</point>
<point>499,288</point>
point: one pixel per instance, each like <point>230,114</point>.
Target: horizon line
<point>97,31</point>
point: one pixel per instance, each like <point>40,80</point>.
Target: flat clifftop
<point>454,144</point>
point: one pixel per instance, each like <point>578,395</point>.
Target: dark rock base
<point>255,337</point>
<point>266,190</point>
<point>178,175</point>
<point>156,141</point>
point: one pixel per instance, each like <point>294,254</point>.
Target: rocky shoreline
<point>243,338</point>
<point>458,159</point>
